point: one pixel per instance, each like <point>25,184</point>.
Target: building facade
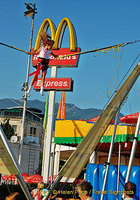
<point>33,135</point>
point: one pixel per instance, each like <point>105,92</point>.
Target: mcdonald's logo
<point>57,36</point>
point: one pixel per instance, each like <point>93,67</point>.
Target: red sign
<point>70,61</point>
<point>60,84</point>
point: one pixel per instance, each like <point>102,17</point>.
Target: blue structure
<point>95,175</point>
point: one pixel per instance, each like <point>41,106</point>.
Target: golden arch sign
<point>57,36</point>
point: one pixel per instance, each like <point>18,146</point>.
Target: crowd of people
<point>84,190</point>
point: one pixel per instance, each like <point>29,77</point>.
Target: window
<point>32,131</point>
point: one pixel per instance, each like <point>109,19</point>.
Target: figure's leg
<point>43,78</point>
<point>31,84</point>
<point>42,81</point>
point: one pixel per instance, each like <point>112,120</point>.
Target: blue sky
<point>97,24</point>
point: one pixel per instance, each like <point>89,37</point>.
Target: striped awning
<point>73,131</point>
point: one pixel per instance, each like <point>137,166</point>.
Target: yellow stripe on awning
<point>71,128</point>
<point>75,128</point>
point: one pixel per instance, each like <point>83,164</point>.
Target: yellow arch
<point>60,31</point>
<point>57,35</point>
<point>47,22</point>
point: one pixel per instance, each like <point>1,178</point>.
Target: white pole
<point>110,154</point>
<point>25,97</point>
<point>93,158</point>
<point>133,150</point>
<point>57,159</point>
<point>119,162</point>
<point>49,132</point>
<point>52,166</point>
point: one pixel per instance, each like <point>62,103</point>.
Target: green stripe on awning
<point>119,138</point>
<point>67,140</point>
<point>104,139</point>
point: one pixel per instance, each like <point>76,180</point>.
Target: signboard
<point>58,84</point>
<point>70,61</point>
<point>57,36</point>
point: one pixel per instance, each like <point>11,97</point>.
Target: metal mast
<point>30,12</point>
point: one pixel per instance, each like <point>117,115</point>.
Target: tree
<point>7,128</point>
<point>40,162</point>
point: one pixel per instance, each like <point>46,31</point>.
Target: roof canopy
<point>72,132</point>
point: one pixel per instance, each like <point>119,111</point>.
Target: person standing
<point>129,191</point>
<point>36,193</point>
<point>84,190</point>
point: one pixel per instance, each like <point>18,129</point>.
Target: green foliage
<point>7,128</point>
<point>40,162</point>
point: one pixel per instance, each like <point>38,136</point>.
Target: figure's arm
<point>35,52</point>
<point>54,55</point>
<point>33,195</point>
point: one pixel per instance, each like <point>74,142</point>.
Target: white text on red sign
<point>69,61</point>
<point>54,84</point>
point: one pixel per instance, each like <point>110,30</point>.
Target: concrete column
<point>57,160</point>
<point>49,132</point>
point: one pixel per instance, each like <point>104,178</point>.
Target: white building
<point>33,135</point>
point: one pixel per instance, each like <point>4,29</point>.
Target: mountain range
<point>72,111</point>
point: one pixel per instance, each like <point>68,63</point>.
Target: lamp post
<point>31,11</point>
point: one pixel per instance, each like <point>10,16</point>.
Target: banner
<point>61,109</point>
<point>46,112</point>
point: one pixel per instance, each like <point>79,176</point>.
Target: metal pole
<point>49,132</point>
<point>110,154</point>
<point>119,162</point>
<point>53,157</point>
<point>93,158</point>
<point>133,150</point>
<point>57,159</point>
<point>25,96</point>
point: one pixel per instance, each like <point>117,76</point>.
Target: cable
<point>84,52</point>
<point>129,69</point>
<point>101,49</point>
<point>13,47</point>
<point>113,73</point>
<point>121,81</point>
<point>123,44</point>
<point>108,95</point>
<point>68,110</point>
<point>20,106</point>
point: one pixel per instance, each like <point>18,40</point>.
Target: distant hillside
<point>72,111</point>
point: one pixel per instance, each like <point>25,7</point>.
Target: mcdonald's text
<point>70,61</point>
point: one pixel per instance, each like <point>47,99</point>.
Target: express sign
<point>70,61</point>
<point>55,84</point>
